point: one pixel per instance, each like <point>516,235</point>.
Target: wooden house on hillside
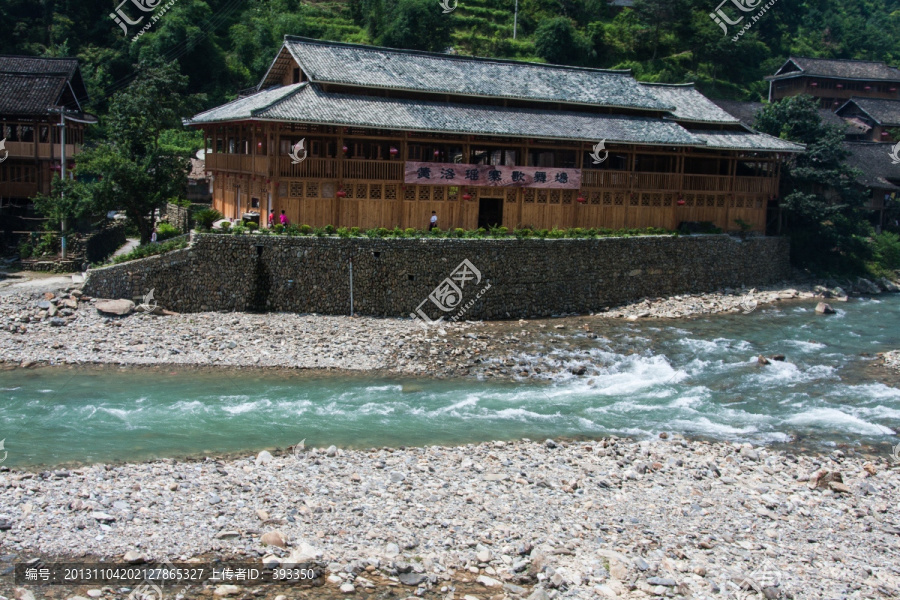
<point>32,93</point>
<point>354,135</point>
<point>834,81</point>
<point>876,118</point>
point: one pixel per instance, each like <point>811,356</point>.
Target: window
<point>494,156</point>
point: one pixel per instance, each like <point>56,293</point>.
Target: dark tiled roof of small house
<point>743,111</point>
<point>690,105</point>
<point>308,103</point>
<point>747,111</point>
<point>373,67</point>
<point>31,85</point>
<point>883,112</point>
<point>837,69</point>
<point>874,160</point>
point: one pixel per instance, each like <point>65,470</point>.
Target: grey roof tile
<point>387,68</point>
<point>690,105</point>
<point>30,85</point>
<point>307,103</point>
<point>746,140</point>
<point>874,160</point>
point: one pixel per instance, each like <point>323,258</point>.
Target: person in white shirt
<point>433,222</point>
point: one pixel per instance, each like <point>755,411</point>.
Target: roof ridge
<point>659,84</point>
<point>860,60</point>
<point>486,59</point>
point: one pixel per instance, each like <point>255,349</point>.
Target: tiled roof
<point>29,94</point>
<point>747,111</point>
<point>31,85</point>
<point>746,140</point>
<point>34,64</point>
<point>307,103</point>
<point>837,68</point>
<point>690,105</point>
<point>874,160</point>
<point>387,68</point>
<point>743,111</point>
<point>884,112</point>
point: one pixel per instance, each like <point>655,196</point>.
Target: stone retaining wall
<point>392,277</point>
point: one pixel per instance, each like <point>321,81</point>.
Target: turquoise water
<point>698,377</point>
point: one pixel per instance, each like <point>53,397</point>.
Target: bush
<point>165,231</point>
<point>278,229</point>
<point>305,230</point>
<point>330,229</point>
<point>239,229</point>
<point>225,226</point>
<point>151,250</point>
<point>251,226</point>
<point>25,249</point>
<point>205,218</point>
<point>886,250</point>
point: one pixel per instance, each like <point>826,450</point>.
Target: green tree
<point>558,42</point>
<point>137,174</point>
<point>416,25</point>
<point>67,201</point>
<point>822,204</point>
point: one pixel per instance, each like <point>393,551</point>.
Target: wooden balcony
<point>45,151</point>
<point>379,170</point>
<point>605,179</point>
<point>238,163</point>
<point>10,189</point>
<point>657,181</point>
<point>321,168</point>
<point>707,183</point>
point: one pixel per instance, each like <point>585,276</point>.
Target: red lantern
<point>345,149</point>
<point>884,133</point>
<point>341,193</point>
<point>892,89</point>
<point>581,199</point>
<point>467,196</point>
<point>680,203</point>
<point>393,151</point>
<point>814,84</point>
<point>867,88</point>
<point>437,153</point>
<point>840,86</point>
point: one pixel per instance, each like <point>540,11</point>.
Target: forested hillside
<point>225,45</point>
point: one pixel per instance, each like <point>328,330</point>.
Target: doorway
<point>490,212</point>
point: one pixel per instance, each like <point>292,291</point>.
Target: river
<point>696,377</point>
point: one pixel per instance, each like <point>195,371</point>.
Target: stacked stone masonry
<point>392,277</point>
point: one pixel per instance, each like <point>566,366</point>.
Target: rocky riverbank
<point>602,519</point>
<point>62,326</point>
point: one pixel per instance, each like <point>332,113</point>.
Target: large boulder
<point>115,307</point>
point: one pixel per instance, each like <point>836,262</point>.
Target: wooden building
<point>833,81</point>
<point>32,92</point>
<point>388,136</point>
<point>876,118</point>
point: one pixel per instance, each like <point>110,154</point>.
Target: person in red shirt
<point>284,219</point>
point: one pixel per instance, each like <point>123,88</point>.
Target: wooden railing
<point>605,179</point>
<point>45,150</point>
<point>322,168</point>
<point>707,183</point>
<point>373,170</point>
<point>755,185</point>
<point>17,189</point>
<point>657,181</point>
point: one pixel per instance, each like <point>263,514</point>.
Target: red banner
<point>424,173</point>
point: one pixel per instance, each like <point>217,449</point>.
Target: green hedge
<point>151,250</point>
